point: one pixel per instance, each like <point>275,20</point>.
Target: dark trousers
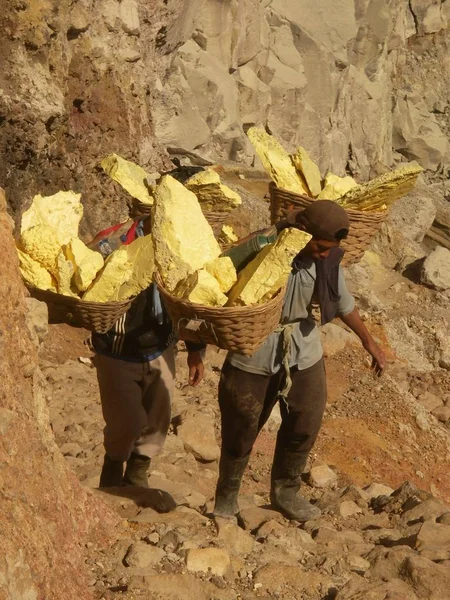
<point>246,401</point>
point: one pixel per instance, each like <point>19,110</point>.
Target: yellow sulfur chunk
<point>380,193</point>
<point>223,270</point>
<point>115,273</point>
<point>266,274</point>
<point>276,161</point>
<point>34,273</point>
<point>41,243</point>
<point>129,175</point>
<point>211,193</point>
<point>86,263</point>
<point>62,212</point>
<point>335,187</point>
<point>308,168</point>
<point>64,274</point>
<point>227,235</point>
<point>182,238</point>
<point>201,288</point>
<point>142,259</point>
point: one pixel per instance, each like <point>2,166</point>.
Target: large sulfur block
<point>86,263</point>
<point>201,288</point>
<point>142,260</point>
<point>129,175</point>
<point>182,238</point>
<point>266,274</point>
<point>62,212</point>
<point>309,170</point>
<point>42,244</point>
<point>335,187</point>
<point>213,195</point>
<point>116,272</point>
<point>224,271</point>
<point>276,161</point>
<point>34,273</point>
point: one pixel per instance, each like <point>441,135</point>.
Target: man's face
<point>319,249</point>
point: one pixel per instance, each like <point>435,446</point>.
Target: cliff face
<point>353,82</point>
<point>46,517</point>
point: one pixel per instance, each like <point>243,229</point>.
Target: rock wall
<point>358,83</point>
<point>46,518</point>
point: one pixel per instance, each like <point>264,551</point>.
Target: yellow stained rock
<point>41,243</point>
<point>276,161</point>
<point>86,263</point>
<point>64,274</point>
<point>142,260</point>
<point>182,238</point>
<point>308,168</point>
<point>266,274</point>
<point>201,288</point>
<point>115,273</point>
<point>34,273</point>
<point>211,193</point>
<point>129,175</point>
<point>380,193</point>
<point>224,271</point>
<point>62,212</point>
<point>228,235</point>
<point>335,187</point>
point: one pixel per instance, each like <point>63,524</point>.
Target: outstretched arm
<point>354,321</point>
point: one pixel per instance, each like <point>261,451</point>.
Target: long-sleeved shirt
<point>306,348</point>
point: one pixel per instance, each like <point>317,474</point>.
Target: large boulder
<point>436,269</point>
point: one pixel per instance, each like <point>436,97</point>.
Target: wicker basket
<point>215,219</point>
<point>241,329</point>
<point>363,225</point>
<point>95,316</point>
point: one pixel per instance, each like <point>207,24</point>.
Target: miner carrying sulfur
<point>289,368</point>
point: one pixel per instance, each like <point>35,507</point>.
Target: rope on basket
<point>200,322</point>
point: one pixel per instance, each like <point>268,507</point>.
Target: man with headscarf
<point>289,369</point>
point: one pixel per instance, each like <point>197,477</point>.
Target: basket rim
<point>78,301</point>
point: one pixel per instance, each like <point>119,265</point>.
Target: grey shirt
<point>306,348</point>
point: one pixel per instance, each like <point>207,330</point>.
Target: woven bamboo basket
<point>95,316</point>
<point>363,225</point>
<point>215,219</point>
<point>242,329</point>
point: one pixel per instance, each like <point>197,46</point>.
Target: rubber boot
<point>136,470</point>
<point>231,471</point>
<point>287,470</point>
<point>112,473</point>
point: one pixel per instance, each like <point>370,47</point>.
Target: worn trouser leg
<point>301,420</point>
<point>136,404</point>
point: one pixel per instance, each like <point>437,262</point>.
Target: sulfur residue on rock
<point>64,273</point>
<point>34,273</point>
<point>115,273</point>
<point>129,175</point>
<point>228,235</point>
<point>86,263</point>
<point>380,193</point>
<point>276,161</point>
<point>335,187</point>
<point>266,274</point>
<point>309,170</point>
<point>201,288</point>
<point>213,195</point>
<point>41,243</point>
<point>62,212</point>
<point>224,271</point>
<point>142,260</point>
<point>182,238</point>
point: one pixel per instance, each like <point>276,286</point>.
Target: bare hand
<point>196,368</point>
<point>378,357</point>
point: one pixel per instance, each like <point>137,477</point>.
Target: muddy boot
<point>227,490</point>
<point>136,470</point>
<point>287,470</point>
<point>112,473</point>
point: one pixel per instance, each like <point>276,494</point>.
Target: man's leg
<point>157,391</point>
<point>120,384</point>
<point>301,421</point>
<point>241,400</point>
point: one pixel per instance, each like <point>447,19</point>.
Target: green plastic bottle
<point>243,253</point>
